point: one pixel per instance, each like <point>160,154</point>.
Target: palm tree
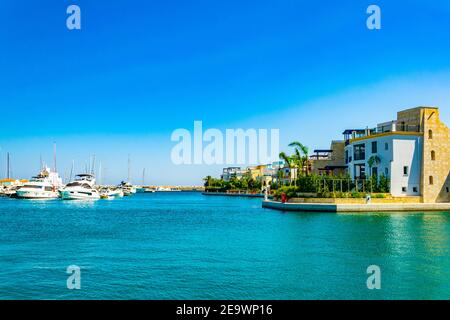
<point>373,160</point>
<point>287,160</point>
<point>208,181</point>
<point>301,152</point>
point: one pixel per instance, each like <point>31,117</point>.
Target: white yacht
<point>82,188</point>
<point>108,193</point>
<point>43,186</point>
<point>127,188</point>
<point>116,193</point>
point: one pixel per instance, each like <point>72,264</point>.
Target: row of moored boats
<point>48,185</point>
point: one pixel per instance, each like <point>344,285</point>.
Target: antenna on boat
<point>143,177</point>
<point>41,164</point>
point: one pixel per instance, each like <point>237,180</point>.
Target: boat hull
<point>26,194</point>
<point>75,195</point>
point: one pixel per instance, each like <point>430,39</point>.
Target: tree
<point>301,153</point>
<point>373,160</point>
<point>287,160</point>
<point>208,181</point>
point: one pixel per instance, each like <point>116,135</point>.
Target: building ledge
<point>386,134</point>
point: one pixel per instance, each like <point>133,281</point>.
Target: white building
<point>230,172</point>
<point>396,153</point>
<point>399,159</point>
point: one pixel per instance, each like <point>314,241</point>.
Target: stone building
<point>413,151</point>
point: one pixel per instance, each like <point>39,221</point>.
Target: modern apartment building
<point>230,172</point>
<point>264,173</point>
<point>413,151</point>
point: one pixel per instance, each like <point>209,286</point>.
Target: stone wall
<point>391,200</point>
<point>436,158</point>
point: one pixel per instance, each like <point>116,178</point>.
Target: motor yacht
<point>43,186</point>
<point>82,188</point>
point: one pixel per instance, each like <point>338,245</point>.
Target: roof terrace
<point>382,128</point>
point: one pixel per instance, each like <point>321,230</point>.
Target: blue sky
<point>137,70</point>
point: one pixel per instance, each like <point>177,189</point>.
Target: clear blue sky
<point>137,70</point>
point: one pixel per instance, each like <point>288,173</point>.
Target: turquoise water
<point>188,246</point>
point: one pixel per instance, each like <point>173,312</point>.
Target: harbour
<point>224,158</point>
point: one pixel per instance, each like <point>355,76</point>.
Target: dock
<point>329,207</point>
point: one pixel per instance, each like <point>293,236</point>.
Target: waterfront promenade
<point>369,207</point>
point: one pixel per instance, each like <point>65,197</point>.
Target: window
<point>346,156</point>
<point>403,189</point>
<point>446,188</point>
<point>386,146</point>
<point>359,152</point>
<point>375,172</point>
<point>430,134</point>
<point>386,172</point>
<point>374,147</point>
<point>433,155</point>
<point>31,186</point>
<point>360,171</point>
<point>405,170</point>
<point>402,126</point>
<point>431,180</point>
<point>415,189</point>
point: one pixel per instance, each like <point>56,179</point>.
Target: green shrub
<point>358,195</point>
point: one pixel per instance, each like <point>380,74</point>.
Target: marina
<point>48,184</point>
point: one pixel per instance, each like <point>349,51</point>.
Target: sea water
<point>177,245</point>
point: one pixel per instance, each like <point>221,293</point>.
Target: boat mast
<point>129,169</point>
<point>99,173</point>
<point>54,157</point>
<point>93,164</point>
<point>143,177</point>
<point>71,170</point>
<point>8,169</point>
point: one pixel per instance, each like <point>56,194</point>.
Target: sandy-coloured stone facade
<point>435,175</point>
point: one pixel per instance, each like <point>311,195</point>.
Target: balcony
<point>382,128</point>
